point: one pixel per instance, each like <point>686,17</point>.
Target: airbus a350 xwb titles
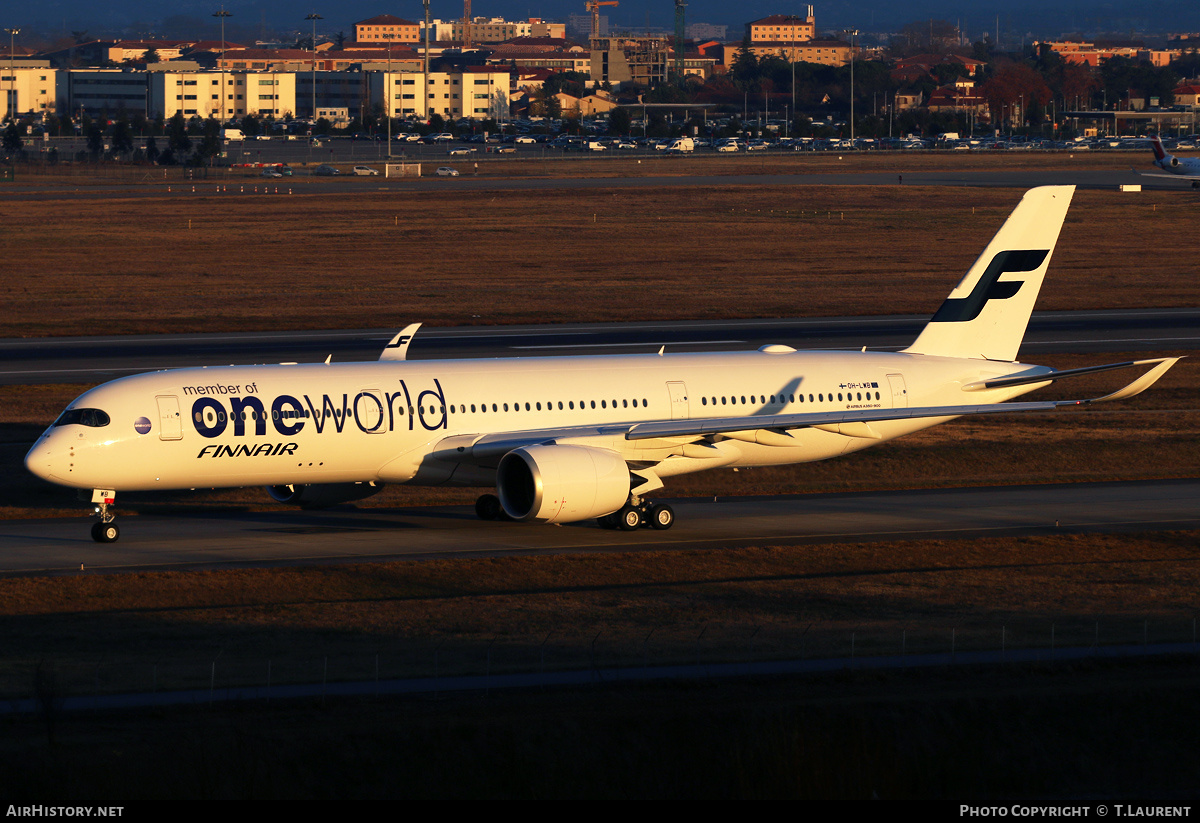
<point>564,439</point>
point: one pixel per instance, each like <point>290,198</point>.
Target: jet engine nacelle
<point>323,495</point>
<point>1175,162</point>
<point>561,484</point>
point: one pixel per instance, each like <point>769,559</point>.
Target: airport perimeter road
<point>96,359</point>
<point>348,535</point>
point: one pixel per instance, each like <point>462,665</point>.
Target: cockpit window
<point>84,417</point>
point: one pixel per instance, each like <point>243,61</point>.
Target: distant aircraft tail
<point>987,313</point>
<point>1160,154</point>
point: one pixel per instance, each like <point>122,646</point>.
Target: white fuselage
<point>411,421</point>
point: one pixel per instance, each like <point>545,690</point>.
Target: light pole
<point>853,33</point>
<point>12,73</point>
<point>425,81</point>
<point>222,14</point>
<point>314,17</point>
<point>792,61</point>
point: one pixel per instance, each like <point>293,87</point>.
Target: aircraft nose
<point>44,458</point>
<point>38,460</point>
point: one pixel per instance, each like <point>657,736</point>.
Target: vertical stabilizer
<point>987,313</point>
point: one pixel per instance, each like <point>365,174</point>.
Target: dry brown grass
<point>112,631</point>
<point>351,261</point>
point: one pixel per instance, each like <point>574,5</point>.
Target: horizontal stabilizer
<point>1046,377</point>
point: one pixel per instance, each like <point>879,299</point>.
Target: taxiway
<point>346,534</point>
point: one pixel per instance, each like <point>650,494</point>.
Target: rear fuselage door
<point>899,391</point>
<point>679,401</point>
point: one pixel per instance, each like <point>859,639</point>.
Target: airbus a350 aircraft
<point>563,439</point>
<point>1186,168</point>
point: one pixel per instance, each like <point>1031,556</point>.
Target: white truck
<point>232,134</point>
<point>681,145</point>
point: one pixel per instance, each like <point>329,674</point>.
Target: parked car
<point>525,140</point>
<point>365,171</point>
<point>459,152</point>
<point>446,171</point>
<point>325,171</point>
<point>271,173</point>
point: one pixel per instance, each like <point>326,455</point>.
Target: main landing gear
<point>638,513</point>
<point>106,531</point>
<point>632,516</point>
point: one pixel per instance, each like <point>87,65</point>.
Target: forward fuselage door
<point>899,391</point>
<point>679,401</point>
<point>170,425</point>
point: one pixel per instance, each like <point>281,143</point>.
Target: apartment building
<point>28,87</point>
<point>386,27</point>
<point>476,92</point>
<point>783,28</point>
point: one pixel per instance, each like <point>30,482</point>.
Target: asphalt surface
<point>248,182</point>
<point>96,359</point>
<point>215,540</point>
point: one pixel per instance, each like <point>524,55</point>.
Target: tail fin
<point>1160,154</point>
<point>987,313</point>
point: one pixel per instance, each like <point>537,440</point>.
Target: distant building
<point>908,68</point>
<point>705,31</point>
<point>492,29</point>
<point>475,92</point>
<point>579,26</point>
<point>28,87</point>
<point>783,28</point>
<point>386,27</point>
<point>827,52</point>
<point>1187,95</point>
<point>958,97</point>
<point>641,60</point>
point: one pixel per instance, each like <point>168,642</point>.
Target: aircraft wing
<point>1166,176</point>
<point>773,429</point>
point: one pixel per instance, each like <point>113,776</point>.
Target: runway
<point>96,359</point>
<point>221,540</point>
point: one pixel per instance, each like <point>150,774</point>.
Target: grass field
<point>226,262</point>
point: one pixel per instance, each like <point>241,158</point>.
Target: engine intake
<point>323,495</point>
<point>561,484</point>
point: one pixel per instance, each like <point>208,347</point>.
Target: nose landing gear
<point>106,531</point>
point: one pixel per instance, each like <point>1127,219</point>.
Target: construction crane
<point>466,32</point>
<point>594,7</point>
<point>679,27</point>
